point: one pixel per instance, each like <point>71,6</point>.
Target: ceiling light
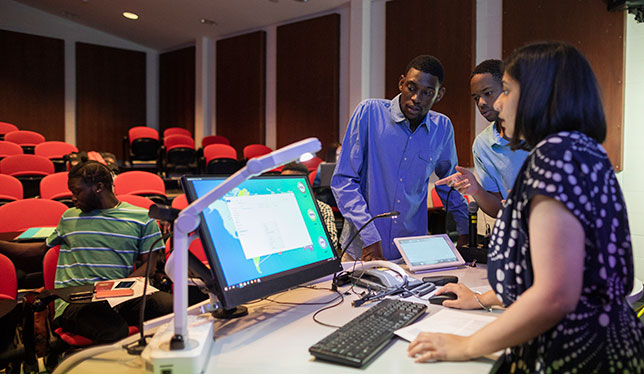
<point>130,15</point>
<point>206,21</point>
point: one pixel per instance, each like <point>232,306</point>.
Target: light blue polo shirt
<point>496,164</point>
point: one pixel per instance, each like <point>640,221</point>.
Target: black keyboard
<point>360,339</point>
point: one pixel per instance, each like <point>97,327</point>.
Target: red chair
<point>180,202</point>
<point>56,152</point>
<point>142,145</point>
<point>9,149</point>
<point>312,176</point>
<point>29,169</point>
<point>54,187</point>
<point>256,150</point>
<point>180,153</point>
<point>50,263</point>
<point>9,282</point>
<point>20,215</point>
<point>141,183</point>
<point>10,189</point>
<point>136,200</point>
<point>214,139</point>
<point>221,159</point>
<point>312,164</point>
<point>176,131</point>
<point>6,127</point>
<point>25,138</point>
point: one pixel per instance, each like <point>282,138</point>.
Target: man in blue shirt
<point>389,152</point>
<point>496,163</point>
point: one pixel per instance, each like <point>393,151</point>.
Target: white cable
<point>83,355</point>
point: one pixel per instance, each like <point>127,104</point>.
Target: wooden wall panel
<point>110,96</point>
<point>445,29</point>
<point>241,89</point>
<point>596,32</point>
<point>177,89</point>
<point>32,77</point>
<point>308,66</point>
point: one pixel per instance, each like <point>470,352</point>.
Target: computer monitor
<point>263,237</point>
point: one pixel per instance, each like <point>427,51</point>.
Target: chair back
<point>312,164</point>
<point>54,149</point>
<point>8,281</point>
<point>49,264</point>
<point>139,132</point>
<point>20,215</point>
<point>10,188</point>
<point>214,139</point>
<point>6,127</point>
<point>178,140</point>
<point>256,150</point>
<point>54,187</point>
<point>136,200</point>
<point>219,151</point>
<point>24,137</point>
<point>18,165</point>
<point>176,131</point>
<point>9,149</point>
<point>180,202</point>
<point>139,183</point>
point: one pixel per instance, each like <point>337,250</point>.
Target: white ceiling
<point>166,24</point>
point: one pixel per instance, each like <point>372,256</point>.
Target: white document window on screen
<point>268,224</point>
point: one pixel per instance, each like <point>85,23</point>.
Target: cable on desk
<point>75,359</point>
<point>305,303</point>
<point>326,308</point>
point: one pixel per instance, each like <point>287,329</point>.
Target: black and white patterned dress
<point>603,333</point>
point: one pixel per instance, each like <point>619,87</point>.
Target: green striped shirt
<point>101,245</point>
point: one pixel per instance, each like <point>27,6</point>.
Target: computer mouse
<point>438,299</point>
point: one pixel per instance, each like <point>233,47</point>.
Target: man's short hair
<point>92,172</point>
<point>427,64</point>
<point>297,167</point>
<point>493,67</point>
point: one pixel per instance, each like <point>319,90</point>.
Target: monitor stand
<point>237,312</point>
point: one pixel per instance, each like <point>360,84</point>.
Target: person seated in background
<point>496,163</point>
<point>561,259</point>
<point>295,168</point>
<point>390,150</point>
<point>99,239</point>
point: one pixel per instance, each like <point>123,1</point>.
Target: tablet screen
<point>428,252</point>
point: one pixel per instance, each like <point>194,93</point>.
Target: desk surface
<point>274,338</point>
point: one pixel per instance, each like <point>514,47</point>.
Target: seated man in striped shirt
<point>100,239</point>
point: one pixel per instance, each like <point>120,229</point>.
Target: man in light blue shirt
<point>389,152</point>
<point>496,163</point>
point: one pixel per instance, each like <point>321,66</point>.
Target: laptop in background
<point>326,172</point>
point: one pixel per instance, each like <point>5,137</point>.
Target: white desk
<point>274,338</point>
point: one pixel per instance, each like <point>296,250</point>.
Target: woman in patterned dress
<point>560,256</point>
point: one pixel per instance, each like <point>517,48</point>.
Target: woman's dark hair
<point>558,92</point>
<point>92,172</point>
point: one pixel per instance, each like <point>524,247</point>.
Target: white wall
<point>632,178</point>
<point>17,17</point>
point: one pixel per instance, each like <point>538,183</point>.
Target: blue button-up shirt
<point>496,164</point>
<point>384,166</point>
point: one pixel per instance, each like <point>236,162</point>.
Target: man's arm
<point>22,251</point>
<point>445,166</point>
<point>140,271</point>
<point>345,183</point>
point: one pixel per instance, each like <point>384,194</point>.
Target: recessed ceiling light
<point>206,21</point>
<point>130,15</point>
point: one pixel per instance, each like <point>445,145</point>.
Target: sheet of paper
<point>447,321</point>
<point>36,233</point>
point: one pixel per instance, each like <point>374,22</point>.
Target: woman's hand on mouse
<point>465,297</point>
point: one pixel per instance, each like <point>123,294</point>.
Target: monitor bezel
<point>271,284</point>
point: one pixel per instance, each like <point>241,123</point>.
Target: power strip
<point>159,359</point>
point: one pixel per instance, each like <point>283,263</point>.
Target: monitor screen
<point>264,236</point>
